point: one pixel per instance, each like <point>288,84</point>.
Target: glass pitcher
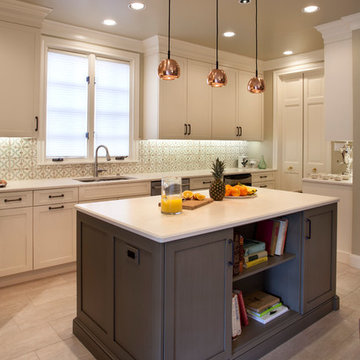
<point>171,195</point>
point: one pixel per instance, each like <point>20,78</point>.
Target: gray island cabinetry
<point>156,287</point>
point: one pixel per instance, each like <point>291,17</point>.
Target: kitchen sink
<point>105,178</point>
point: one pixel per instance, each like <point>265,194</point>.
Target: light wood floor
<point>36,323</point>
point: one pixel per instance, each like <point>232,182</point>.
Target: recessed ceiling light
<point>109,22</point>
<point>311,9</point>
<point>229,34</point>
<point>136,5</point>
<point>288,52</point>
<point>244,1</point>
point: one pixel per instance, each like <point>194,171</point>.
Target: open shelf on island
<point>255,332</point>
<point>272,261</point>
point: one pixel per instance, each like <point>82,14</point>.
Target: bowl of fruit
<point>239,191</point>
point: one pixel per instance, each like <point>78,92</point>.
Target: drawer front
<point>17,199</point>
<point>264,184</point>
<point>262,176</point>
<point>55,196</point>
<point>200,182</point>
<point>114,191</point>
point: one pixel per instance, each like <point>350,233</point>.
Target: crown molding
<point>71,32</point>
<point>340,29</point>
<point>294,60</point>
<point>23,13</point>
<point>157,44</point>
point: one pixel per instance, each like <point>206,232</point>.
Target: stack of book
<point>264,307</point>
<point>254,253</point>
<point>238,254</point>
<point>273,234</point>
<point>239,315</point>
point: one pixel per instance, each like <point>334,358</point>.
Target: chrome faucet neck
<point>96,166</point>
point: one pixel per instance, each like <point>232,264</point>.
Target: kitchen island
<point>153,286</point>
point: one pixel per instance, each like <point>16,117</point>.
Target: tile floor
<point>36,323</point>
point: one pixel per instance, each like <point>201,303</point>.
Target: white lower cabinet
<point>15,240</point>
<point>54,235</point>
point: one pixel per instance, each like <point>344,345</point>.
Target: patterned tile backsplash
<point>19,158</point>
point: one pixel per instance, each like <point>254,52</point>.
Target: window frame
<point>92,51</point>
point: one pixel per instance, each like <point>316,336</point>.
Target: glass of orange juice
<point>171,195</point>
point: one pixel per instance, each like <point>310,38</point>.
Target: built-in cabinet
<point>188,108</point>
<point>19,73</point>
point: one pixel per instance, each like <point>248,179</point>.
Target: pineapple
<point>217,187</point>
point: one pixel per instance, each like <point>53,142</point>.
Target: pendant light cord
<point>256,36</point>
<point>169,32</point>
<point>217,33</point>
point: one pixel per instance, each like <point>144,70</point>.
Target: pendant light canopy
<point>256,84</point>
<point>169,69</point>
<point>217,77</point>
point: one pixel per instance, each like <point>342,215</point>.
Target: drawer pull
<point>263,177</point>
<point>206,182</point>
<point>12,200</point>
<point>290,168</point>
<point>263,186</point>
<point>56,196</point>
<point>56,207</point>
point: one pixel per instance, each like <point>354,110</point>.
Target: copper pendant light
<point>169,69</point>
<point>256,85</point>
<point>217,77</point>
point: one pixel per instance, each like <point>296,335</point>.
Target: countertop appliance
<point>234,179</point>
<point>156,186</point>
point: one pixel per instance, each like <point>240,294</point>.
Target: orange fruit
<point>187,194</point>
<point>243,190</point>
<point>198,196</point>
<point>235,191</point>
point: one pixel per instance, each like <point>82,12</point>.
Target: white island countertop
<point>143,216</point>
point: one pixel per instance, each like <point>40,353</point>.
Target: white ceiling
<point>282,25</point>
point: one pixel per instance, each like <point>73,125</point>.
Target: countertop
<point>329,182</point>
<point>41,184</point>
<point>143,216</point>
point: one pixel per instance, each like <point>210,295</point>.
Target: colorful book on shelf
<point>253,246</point>
<point>280,245</point>
<point>272,315</point>
<point>243,314</point>
<point>249,264</point>
<point>271,308</point>
<point>255,256</point>
<point>238,254</point>
<point>236,322</point>
<point>259,301</point>
<point>274,236</point>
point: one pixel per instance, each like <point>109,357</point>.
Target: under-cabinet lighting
<point>228,34</point>
<point>136,5</point>
<point>311,9</point>
<point>109,22</point>
<point>287,52</point>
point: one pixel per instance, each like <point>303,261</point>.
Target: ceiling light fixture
<point>311,9</point>
<point>217,77</point>
<point>228,34</point>
<point>169,69</point>
<point>244,1</point>
<point>256,84</point>
<point>109,22</point>
<point>287,52</point>
<point>136,5</point>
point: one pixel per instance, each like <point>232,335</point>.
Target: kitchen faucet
<point>96,166</point>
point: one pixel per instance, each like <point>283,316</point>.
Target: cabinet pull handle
<point>206,182</point>
<point>237,131</point>
<point>56,207</point>
<point>290,168</point>
<point>185,129</point>
<point>56,196</point>
<point>263,186</point>
<point>240,127</point>
<point>189,129</point>
<point>231,242</point>
<point>308,230</point>
<point>263,177</point>
<point>12,200</point>
<point>36,123</point>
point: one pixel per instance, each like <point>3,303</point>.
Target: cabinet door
<point>224,120</point>
<point>173,97</point>
<point>198,285</point>
<point>316,148</point>
<point>319,258</point>
<point>19,85</point>
<point>199,100</point>
<point>250,109</point>
<point>15,241</point>
<point>54,235</point>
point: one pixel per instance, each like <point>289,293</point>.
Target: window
<point>91,100</point>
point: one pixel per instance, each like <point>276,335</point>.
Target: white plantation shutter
<point>67,103</point>
<point>112,106</point>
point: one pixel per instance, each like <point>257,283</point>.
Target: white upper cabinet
<point>19,73</point>
<point>250,110</point>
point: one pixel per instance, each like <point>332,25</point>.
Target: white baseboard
<point>343,257</point>
<point>354,261</point>
<point>36,274</point>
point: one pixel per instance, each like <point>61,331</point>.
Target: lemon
<point>187,194</point>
